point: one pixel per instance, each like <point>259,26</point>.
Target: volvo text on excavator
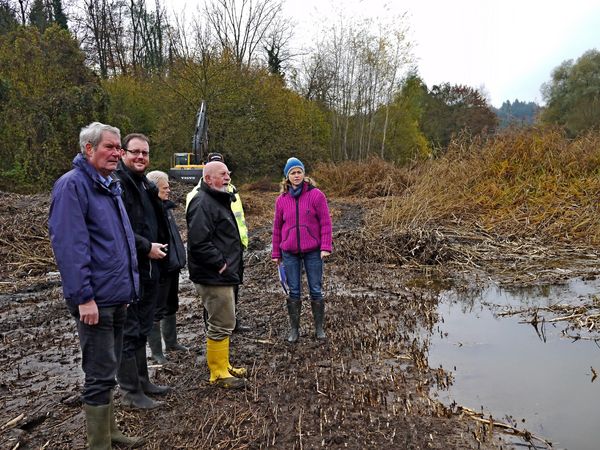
<point>187,167</point>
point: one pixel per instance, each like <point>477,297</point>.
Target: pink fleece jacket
<point>301,225</point>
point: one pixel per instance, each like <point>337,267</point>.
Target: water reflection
<point>503,368</point>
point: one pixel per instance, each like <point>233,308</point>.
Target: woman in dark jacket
<point>168,289</point>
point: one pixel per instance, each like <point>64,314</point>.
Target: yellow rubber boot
<point>217,358</point>
<point>238,372</point>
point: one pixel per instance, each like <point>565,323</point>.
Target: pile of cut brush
<point>24,244</point>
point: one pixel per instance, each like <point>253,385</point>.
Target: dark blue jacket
<point>92,239</point>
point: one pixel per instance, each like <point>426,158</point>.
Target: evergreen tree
<point>517,113</point>
<point>59,15</point>
<point>8,17</point>
<point>40,15</point>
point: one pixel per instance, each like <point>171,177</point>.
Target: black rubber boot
<point>169,331</point>
<point>155,343</point>
<point>129,383</point>
<point>142,368</point>
<point>98,426</point>
<point>116,436</point>
<point>240,327</point>
<point>318,311</point>
<point>294,308</point>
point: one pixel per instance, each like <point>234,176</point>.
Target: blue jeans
<point>313,265</point>
<point>101,346</point>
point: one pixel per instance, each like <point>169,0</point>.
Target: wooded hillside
<point>355,94</point>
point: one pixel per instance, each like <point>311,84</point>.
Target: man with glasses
<point>146,214</point>
<point>94,248</point>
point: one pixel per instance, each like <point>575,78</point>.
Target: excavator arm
<point>187,167</point>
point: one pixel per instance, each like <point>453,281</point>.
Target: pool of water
<point>503,368</point>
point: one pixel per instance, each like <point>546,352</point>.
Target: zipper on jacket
<point>298,223</point>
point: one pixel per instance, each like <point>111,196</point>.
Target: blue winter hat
<point>292,163</point>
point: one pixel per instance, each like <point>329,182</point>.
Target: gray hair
<point>156,175</point>
<point>92,134</point>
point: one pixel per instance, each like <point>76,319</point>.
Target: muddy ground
<point>368,386</point>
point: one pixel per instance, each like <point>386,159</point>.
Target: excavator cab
<point>184,169</point>
<point>181,160</point>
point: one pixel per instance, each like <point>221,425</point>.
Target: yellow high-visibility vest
<point>236,207</point>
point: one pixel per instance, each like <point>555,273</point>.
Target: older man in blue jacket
<point>95,252</point>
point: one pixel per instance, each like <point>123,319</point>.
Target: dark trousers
<point>140,317</point>
<point>167,302</point>
<point>101,346</point>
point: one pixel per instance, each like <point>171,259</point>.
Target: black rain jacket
<point>140,218</point>
<point>213,239</point>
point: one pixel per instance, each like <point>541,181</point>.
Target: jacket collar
<point>222,197</point>
<point>169,204</point>
<point>114,188</point>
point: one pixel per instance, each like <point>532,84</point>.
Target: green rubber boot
<point>116,436</point>
<point>155,343</point>
<point>169,331</point>
<point>98,426</point>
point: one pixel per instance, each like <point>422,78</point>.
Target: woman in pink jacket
<point>302,235</point>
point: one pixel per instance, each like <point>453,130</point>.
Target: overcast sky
<point>508,47</point>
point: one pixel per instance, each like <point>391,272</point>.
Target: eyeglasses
<point>144,153</point>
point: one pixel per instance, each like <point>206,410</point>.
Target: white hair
<point>157,175</point>
<point>92,134</point>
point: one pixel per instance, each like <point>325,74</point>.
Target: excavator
<point>187,167</point>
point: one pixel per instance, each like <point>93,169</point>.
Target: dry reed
<point>530,183</point>
<point>368,179</point>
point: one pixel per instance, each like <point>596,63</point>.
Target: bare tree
<point>120,36</point>
<point>23,6</point>
<point>149,31</point>
<point>277,47</point>
<point>97,32</point>
<point>240,26</point>
<point>314,79</point>
<point>357,69</point>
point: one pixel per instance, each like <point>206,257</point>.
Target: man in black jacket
<point>215,265</point>
<point>146,214</point>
